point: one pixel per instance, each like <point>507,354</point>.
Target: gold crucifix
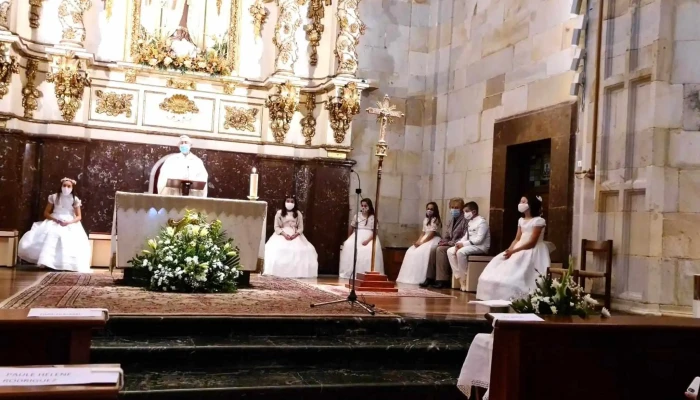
<point>385,112</point>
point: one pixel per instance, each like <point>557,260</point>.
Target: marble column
<point>29,205</point>
<point>34,13</point>
<point>5,6</point>
<point>18,168</point>
<point>350,30</point>
<point>288,21</point>
<point>70,16</point>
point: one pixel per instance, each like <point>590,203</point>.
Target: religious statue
<point>70,15</point>
<point>179,19</point>
<point>288,21</point>
<point>180,35</point>
<point>182,43</point>
<point>182,166</point>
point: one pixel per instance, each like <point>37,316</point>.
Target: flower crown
<point>69,180</point>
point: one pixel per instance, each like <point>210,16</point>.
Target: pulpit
<point>618,358</point>
<point>184,185</point>
<point>140,216</point>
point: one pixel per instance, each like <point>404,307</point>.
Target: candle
<point>254,183</point>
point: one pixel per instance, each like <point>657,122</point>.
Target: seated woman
<point>364,231</point>
<point>59,242</point>
<point>415,262</point>
<point>287,253</point>
<point>513,273</point>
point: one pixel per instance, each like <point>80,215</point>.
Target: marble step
<point>155,326</point>
<point>138,353</point>
<point>307,384</point>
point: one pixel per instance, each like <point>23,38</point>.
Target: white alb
<point>181,166</point>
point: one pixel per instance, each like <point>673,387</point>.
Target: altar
<point>140,216</point>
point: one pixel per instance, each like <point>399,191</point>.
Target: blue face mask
<point>184,148</point>
<point>455,213</point>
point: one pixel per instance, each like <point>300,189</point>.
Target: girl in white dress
<point>513,273</point>
<point>288,254</point>
<point>59,242</point>
<point>364,232</point>
<point>415,262</point>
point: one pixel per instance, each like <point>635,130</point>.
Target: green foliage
<point>552,296</point>
<point>194,256</point>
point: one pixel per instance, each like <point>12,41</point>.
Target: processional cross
<point>386,113</point>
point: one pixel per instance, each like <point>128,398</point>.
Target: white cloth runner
<point>476,370</point>
<point>139,217</point>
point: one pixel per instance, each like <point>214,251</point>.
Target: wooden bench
<point>101,247</point>
<point>45,341</point>
<point>9,239</point>
<point>477,263</point>
<point>475,266</point>
<point>618,358</point>
<point>77,392</point>
<point>393,258</point>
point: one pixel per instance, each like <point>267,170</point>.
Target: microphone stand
<point>352,296</point>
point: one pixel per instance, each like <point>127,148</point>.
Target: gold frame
<point>234,28</point>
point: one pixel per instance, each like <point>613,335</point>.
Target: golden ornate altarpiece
<point>131,93</point>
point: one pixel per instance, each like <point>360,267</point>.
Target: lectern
<point>184,185</point>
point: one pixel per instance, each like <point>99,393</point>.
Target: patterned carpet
<point>403,292</point>
<point>267,296</point>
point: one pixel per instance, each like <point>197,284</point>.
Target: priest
<point>185,166</point>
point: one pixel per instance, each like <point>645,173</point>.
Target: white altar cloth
<point>140,216</point>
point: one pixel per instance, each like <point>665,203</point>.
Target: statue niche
<point>186,35</point>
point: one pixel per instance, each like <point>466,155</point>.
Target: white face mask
<point>468,215</point>
<point>66,190</point>
<point>289,206</point>
<point>522,207</point>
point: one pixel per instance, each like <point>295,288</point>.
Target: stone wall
<point>505,57</point>
<point>645,193</point>
<point>395,51</point>
<point>455,66</point>
<point>644,196</point>
<point>681,226</point>
<point>480,61</point>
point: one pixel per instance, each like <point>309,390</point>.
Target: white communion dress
<point>364,253</point>
<point>415,262</point>
<point>296,258</point>
<point>505,279</point>
<point>63,248</point>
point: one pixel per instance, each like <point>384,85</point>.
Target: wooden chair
<point>580,275</point>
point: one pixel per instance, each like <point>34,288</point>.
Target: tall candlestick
<point>254,185</point>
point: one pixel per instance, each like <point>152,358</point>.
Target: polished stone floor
<point>15,280</point>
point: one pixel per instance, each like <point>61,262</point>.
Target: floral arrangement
<point>192,256</point>
<point>554,297</point>
<point>156,51</point>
